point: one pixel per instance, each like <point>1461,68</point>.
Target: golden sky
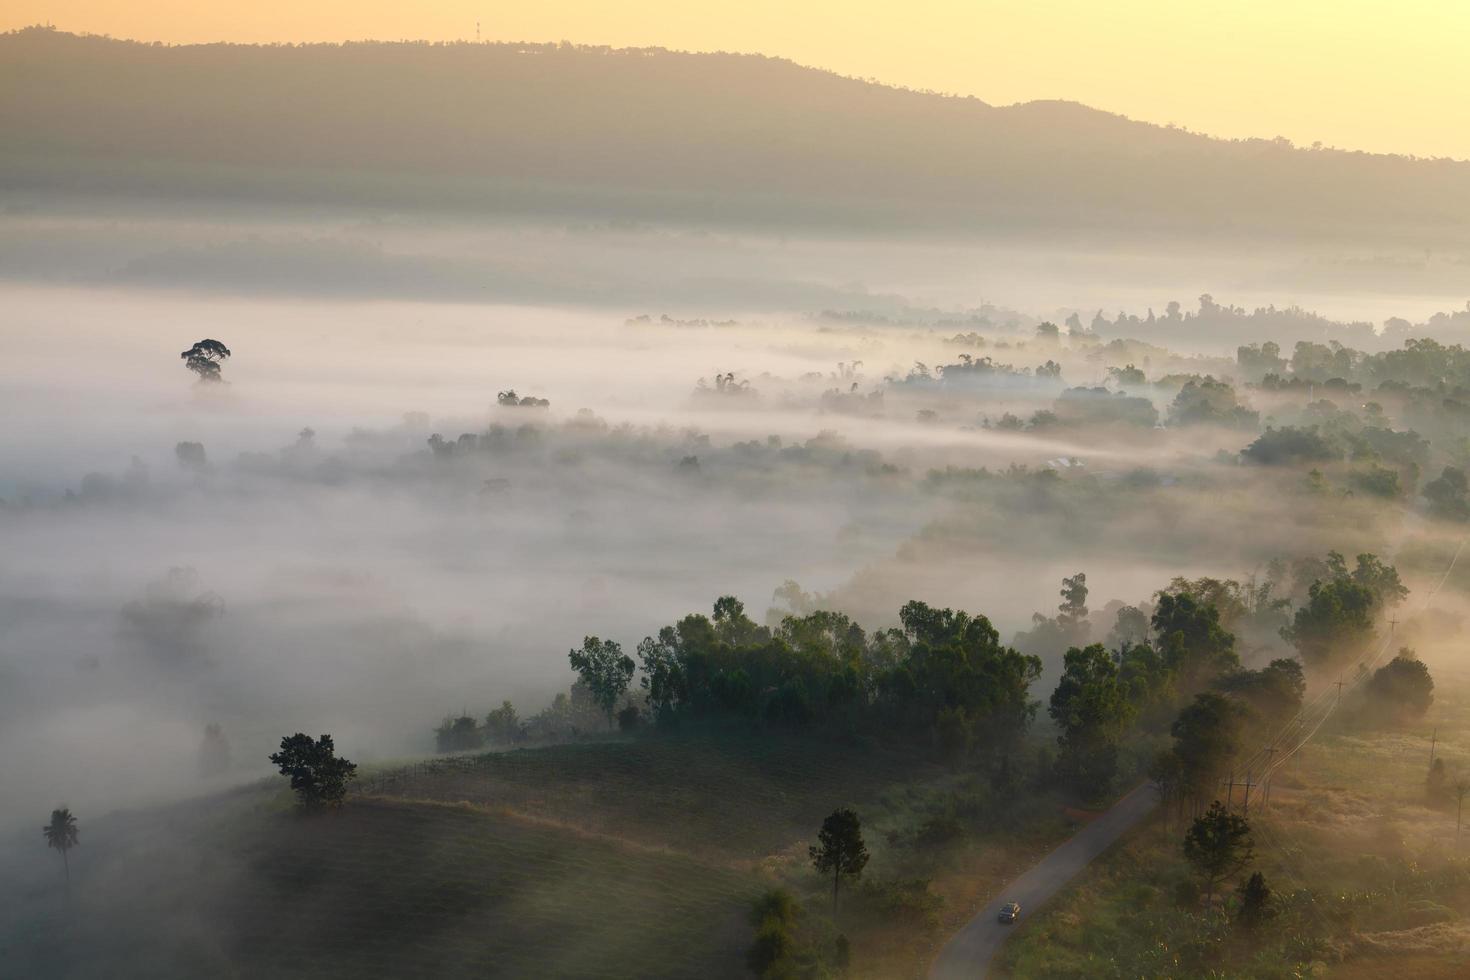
<point>1389,75</point>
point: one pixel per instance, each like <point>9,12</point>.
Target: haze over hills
<point>744,139</point>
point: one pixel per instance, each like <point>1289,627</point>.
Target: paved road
<point>968,953</point>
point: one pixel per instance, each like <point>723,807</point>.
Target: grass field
<point>632,857</point>
<point>752,802</point>
<point>731,797</point>
<point>1368,877</point>
<point>381,889</point>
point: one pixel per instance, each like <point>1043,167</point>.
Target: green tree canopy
<point>1091,707</point>
<point>1334,625</point>
<point>318,777</point>
<point>1194,643</point>
<point>606,671</point>
<point>1206,740</point>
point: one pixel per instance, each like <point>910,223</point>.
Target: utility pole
<point>1461,788</point>
<point>1230,792</point>
<point>1339,694</point>
<point>1247,808</point>
<point>1266,790</point>
<point>1432,739</point>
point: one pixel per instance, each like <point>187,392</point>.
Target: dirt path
<point>969,951</point>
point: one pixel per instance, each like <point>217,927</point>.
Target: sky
<point>1356,74</point>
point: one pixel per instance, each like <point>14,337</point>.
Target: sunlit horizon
<point>1343,75</point>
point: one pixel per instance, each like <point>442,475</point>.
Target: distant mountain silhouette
<point>661,135</point>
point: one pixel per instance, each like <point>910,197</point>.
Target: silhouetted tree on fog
<point>204,359</point>
<point>61,835</point>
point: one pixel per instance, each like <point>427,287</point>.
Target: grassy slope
<point>732,797</point>
<point>753,801</point>
<point>620,858</point>
<point>381,889</point>
<point>1347,824</point>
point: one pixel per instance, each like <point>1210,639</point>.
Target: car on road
<point>1010,912</point>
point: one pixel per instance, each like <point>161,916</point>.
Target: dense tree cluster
<point>1207,401</point>
<point>1335,624</point>
<point>1100,406</point>
<point>822,668</point>
<point>509,399</point>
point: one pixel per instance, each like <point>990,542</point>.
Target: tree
<point>204,359</point>
<point>1218,844</point>
<point>61,835</point>
<point>606,671</point>
<point>318,777</point>
<point>214,751</point>
<point>1255,901</point>
<point>1290,445</point>
<point>1205,401</point>
<point>1072,612</point>
<point>1192,640</point>
<point>458,735</point>
<point>191,456</point>
<point>1401,689</point>
<point>1274,692</point>
<point>840,850</point>
<point>1091,707</point>
<point>774,916</point>
<point>1335,623</point>
<point>1206,739</point>
<point>1371,573</point>
<point>502,725</point>
<point>1130,627</point>
<point>663,678</point>
<point>1166,773</point>
<point>1449,495</point>
<point>954,734</point>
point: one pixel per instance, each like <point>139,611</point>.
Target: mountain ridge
<point>676,135</point>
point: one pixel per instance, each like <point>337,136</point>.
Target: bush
<point>1402,689</point>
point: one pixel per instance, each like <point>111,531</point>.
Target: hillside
<point>240,887</point>
<point>632,857</point>
<point>654,134</point>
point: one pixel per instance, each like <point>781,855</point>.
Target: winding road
<point>968,953</point>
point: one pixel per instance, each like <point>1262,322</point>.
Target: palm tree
<point>61,834</point>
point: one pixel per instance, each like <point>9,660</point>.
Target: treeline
<point>1425,385</point>
<point>943,681</point>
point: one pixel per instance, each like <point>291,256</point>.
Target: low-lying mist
<point>374,521</point>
